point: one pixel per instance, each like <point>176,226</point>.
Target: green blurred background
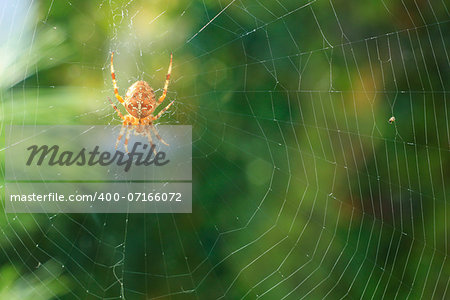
<point>301,187</point>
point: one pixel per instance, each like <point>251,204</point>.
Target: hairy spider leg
<point>166,85</point>
<point>127,137</point>
<point>128,121</point>
<point>150,140</point>
<point>113,75</point>
<point>157,135</point>
<point>122,131</point>
<point>124,124</point>
<point>161,112</point>
<point>116,109</point>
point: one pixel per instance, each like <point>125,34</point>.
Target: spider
<point>140,103</point>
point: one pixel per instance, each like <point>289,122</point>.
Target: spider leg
<point>127,137</point>
<point>157,135</point>
<point>162,111</point>
<point>166,85</point>
<point>113,75</point>
<point>150,140</point>
<point>116,109</point>
<point>122,131</point>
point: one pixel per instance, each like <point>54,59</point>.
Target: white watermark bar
<point>98,169</point>
<point>66,197</point>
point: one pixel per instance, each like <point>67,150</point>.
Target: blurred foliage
<point>46,282</point>
<point>301,186</point>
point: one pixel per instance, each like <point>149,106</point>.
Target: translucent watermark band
<point>98,169</point>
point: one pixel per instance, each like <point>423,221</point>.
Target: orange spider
<point>140,103</point>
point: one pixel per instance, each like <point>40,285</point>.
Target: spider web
<point>301,186</point>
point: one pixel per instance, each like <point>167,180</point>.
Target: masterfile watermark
<point>49,167</point>
<point>91,158</point>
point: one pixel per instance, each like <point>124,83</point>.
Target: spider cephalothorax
<point>140,103</point>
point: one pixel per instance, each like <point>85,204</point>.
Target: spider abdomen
<point>140,100</point>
